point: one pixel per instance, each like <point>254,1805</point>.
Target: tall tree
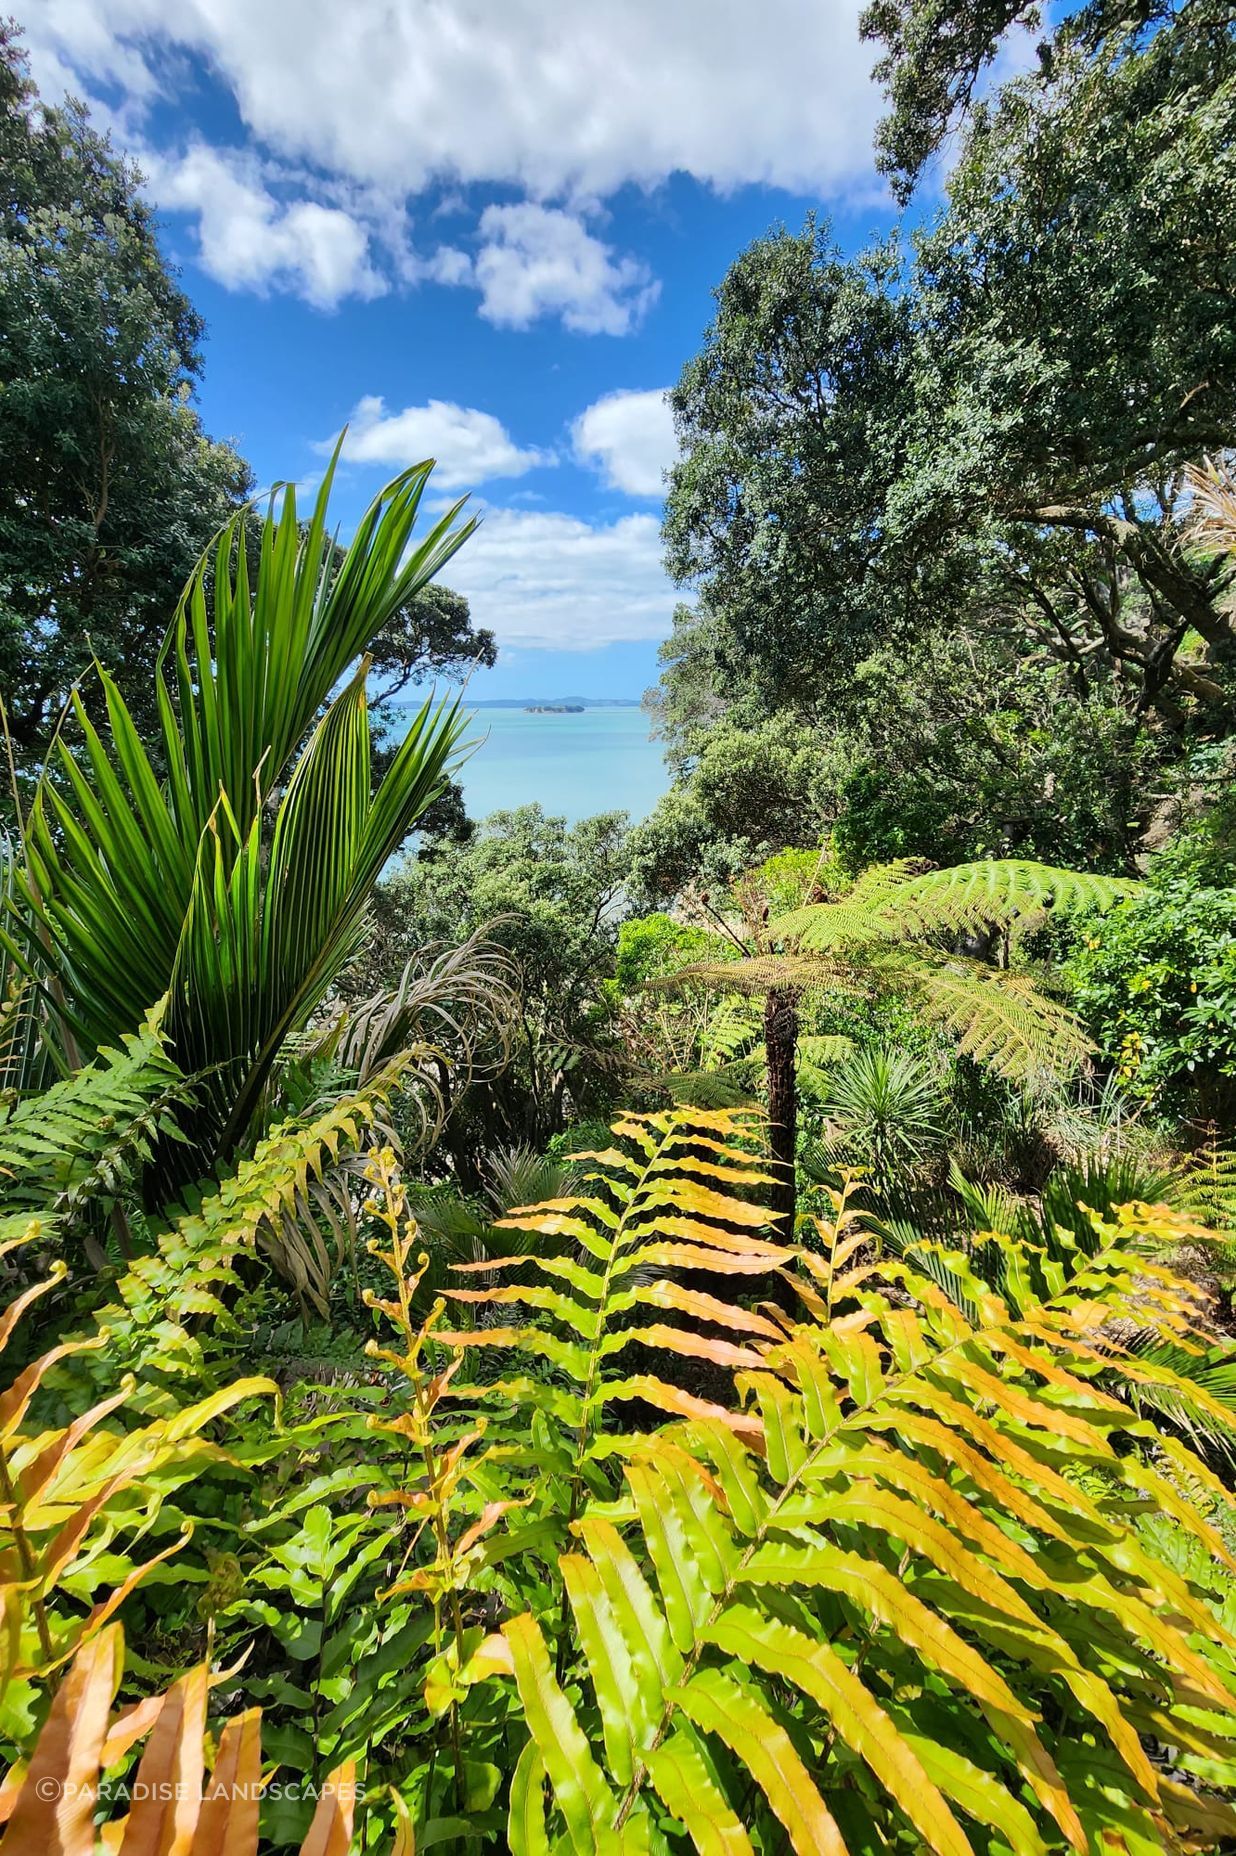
<point>989,431</point>
<point>109,488</point>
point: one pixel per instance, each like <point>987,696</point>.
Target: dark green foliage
<point>109,488</point>
<point>1156,984</point>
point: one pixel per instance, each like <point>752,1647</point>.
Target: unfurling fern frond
<point>829,1621</point>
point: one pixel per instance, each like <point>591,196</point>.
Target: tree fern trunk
<point>780,1045</point>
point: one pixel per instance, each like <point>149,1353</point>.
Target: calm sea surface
<point>572,765</point>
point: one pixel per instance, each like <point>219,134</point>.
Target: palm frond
<point>238,884</point>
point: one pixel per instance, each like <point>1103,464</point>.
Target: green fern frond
<point>88,1135</point>
<point>1205,1187</point>
<point>1003,893</point>
<point>831,1617</point>
<point>999,1018</point>
<point>894,903</point>
<point>161,1300</point>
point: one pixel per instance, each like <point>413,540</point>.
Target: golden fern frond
<point>999,1018</point>
<point>175,1804</point>
<point>833,1625</point>
<point>671,1195</point>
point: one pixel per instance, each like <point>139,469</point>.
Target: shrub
<point>1155,981</point>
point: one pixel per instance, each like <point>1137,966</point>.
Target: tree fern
<point>893,902</point>
<point>879,1607</point>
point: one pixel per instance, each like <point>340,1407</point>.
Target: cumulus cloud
<point>470,447</point>
<point>629,439</point>
<point>552,97</point>
<point>553,581</point>
<point>250,240</point>
<point>541,261</point>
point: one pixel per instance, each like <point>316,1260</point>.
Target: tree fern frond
<point>1003,893</point>
<point>999,1018</point>
<point>755,975</point>
<point>894,903</point>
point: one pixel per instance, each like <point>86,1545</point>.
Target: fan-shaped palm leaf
<point>193,885</point>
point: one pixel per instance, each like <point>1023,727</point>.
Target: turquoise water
<point>573,765</point>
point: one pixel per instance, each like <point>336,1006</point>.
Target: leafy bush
<point>650,945</point>
<point>1156,984</point>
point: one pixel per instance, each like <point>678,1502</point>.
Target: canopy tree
<point>109,487</point>
<point>986,433</point>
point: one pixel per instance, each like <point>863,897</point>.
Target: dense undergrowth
<point>714,1334</point>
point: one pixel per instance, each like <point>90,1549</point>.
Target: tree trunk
<point>780,1045</point>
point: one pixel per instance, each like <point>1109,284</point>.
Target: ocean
<point>600,760</point>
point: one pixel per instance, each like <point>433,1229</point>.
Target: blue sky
<point>484,230</point>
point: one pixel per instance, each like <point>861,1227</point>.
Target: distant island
<point>555,703</point>
<point>553,708</point>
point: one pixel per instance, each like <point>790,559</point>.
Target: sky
<point>484,231</point>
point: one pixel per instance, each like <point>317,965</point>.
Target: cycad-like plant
<point>237,882</point>
<point>886,1110</point>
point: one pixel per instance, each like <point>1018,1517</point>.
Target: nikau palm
<point>237,882</point>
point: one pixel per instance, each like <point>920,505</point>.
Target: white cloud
<point>538,261</point>
<point>552,581</point>
<point>629,439</point>
<point>470,447</point>
<point>249,240</point>
<point>547,95</point>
